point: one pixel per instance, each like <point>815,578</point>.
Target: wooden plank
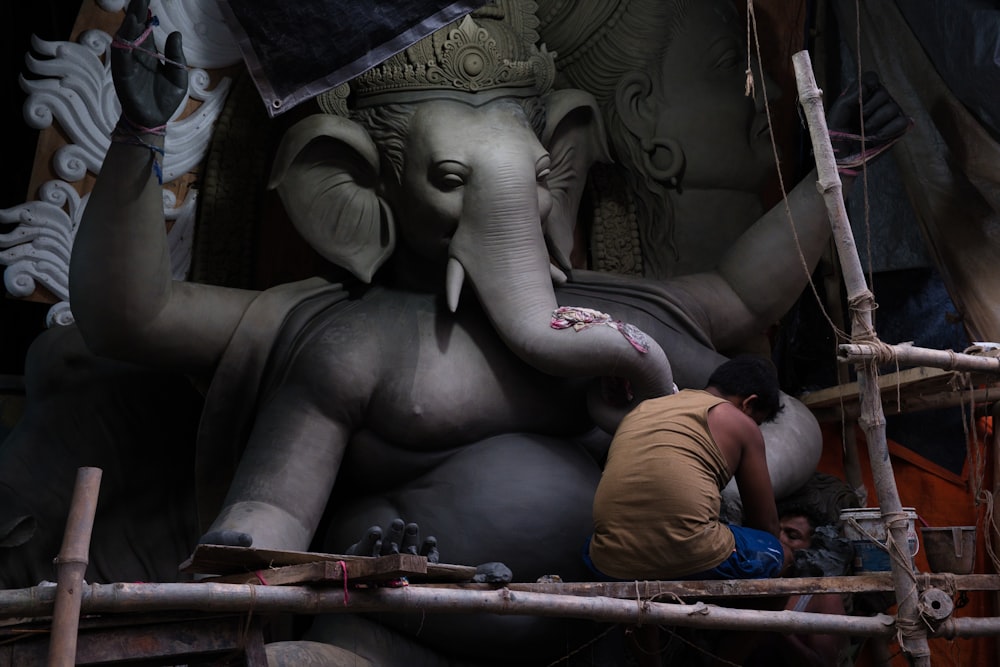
<point>308,573</point>
<point>384,568</point>
<point>849,392</point>
<point>224,560</point>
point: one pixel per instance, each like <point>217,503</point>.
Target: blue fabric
<point>757,555</point>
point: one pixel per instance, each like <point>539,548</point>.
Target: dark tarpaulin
<point>297,50</point>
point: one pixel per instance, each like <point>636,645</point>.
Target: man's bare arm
<point>754,483</point>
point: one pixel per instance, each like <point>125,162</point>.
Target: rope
<point>127,132</point>
<point>245,632</point>
<point>582,646</point>
<point>152,21</point>
<point>343,571</point>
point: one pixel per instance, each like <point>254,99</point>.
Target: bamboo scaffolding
<point>246,598</point>
<point>71,566</point>
<point>912,635</point>
<point>32,602</point>
<point>910,355</point>
<point>124,598</point>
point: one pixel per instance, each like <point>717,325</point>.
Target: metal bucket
<point>865,528</point>
<point>950,549</point>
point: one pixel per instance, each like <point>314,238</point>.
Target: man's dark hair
<point>747,375</point>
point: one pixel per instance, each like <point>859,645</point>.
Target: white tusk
<point>453,280</point>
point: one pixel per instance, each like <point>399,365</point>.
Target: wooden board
<point>241,561</point>
<point>910,390</point>
<point>932,378</point>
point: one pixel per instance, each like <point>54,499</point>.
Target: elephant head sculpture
<point>477,181</point>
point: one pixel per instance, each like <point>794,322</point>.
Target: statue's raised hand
<point>859,134</point>
<point>149,86</point>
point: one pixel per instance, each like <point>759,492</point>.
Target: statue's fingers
<point>881,119</point>
<point>125,60</point>
<point>176,68</point>
<point>876,101</point>
<point>895,127</point>
<point>135,19</point>
<point>870,81</point>
<point>390,543</point>
<point>369,545</point>
<point>430,550</point>
<point>411,539</point>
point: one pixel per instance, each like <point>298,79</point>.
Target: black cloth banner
<point>298,49</point>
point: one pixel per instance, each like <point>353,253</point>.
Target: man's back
<point>656,510</point>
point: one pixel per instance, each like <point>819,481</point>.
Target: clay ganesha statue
<point>463,381</point>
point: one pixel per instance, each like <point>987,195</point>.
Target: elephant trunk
<point>499,246</point>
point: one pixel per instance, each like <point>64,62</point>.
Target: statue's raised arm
<point>783,246</point>
<point>123,297</point>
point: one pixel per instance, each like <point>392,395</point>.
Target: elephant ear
<point>326,173</point>
<point>574,136</point>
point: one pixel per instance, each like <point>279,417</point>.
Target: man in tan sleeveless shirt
<point>656,509</point>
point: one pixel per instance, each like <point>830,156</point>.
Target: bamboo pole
<point>912,635</point>
<point>123,598</point>
<point>36,601</point>
<point>71,566</point>
<point>910,355</point>
<point>991,536</point>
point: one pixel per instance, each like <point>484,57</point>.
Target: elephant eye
<point>448,175</point>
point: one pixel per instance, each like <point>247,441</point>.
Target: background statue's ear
<point>574,136</point>
<point>633,103</point>
<point>326,172</point>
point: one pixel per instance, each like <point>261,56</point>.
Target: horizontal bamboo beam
<point>236,598</point>
<point>910,355</point>
<point>239,598</point>
<point>859,583</point>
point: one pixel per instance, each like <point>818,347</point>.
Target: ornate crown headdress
<point>490,53</point>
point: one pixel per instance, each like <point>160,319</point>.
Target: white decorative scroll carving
<point>73,89</point>
<point>37,251</point>
<point>78,94</point>
<point>207,41</point>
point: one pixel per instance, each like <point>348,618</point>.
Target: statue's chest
<point>453,380</point>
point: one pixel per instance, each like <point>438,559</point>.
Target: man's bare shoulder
<point>734,433</point>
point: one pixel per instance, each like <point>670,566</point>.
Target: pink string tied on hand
<point>152,21</point>
<point>127,132</point>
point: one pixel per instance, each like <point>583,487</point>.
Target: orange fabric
<point>940,498</point>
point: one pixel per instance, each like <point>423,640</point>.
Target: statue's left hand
<point>864,122</point>
<point>149,87</point>
<point>399,537</point>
